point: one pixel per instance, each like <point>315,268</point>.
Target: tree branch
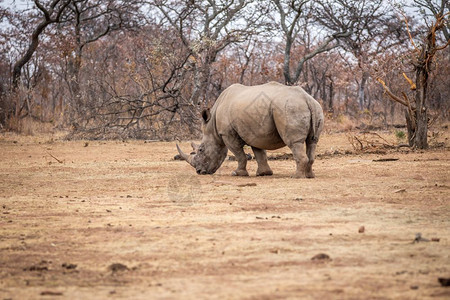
<point>391,95</point>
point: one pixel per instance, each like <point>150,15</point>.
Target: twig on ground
<point>58,160</point>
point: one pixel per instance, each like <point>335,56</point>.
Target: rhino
<point>264,117</point>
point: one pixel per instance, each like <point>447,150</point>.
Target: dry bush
<point>339,123</point>
<point>372,142</point>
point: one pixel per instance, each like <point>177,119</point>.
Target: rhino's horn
<point>188,158</point>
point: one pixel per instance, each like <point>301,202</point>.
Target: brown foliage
<point>125,72</point>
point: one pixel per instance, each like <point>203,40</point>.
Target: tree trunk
<point>331,95</point>
<point>418,125</point>
<point>75,64</point>
<point>420,139</point>
<point>17,68</point>
<point>361,92</point>
<point>410,127</point>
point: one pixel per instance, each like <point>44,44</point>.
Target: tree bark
<point>420,139</point>
<point>331,95</point>
<point>410,127</point>
<point>361,95</point>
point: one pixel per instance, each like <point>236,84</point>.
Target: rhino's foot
<point>310,174</point>
<point>264,172</point>
<point>239,173</point>
<point>298,175</point>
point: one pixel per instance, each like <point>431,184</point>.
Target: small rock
<point>69,266</point>
<point>414,287</point>
<point>419,238</point>
<point>444,281</point>
<point>321,256</point>
<point>361,229</point>
<point>42,266</point>
<point>117,267</point>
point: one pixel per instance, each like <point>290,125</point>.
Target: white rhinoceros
<point>265,117</point>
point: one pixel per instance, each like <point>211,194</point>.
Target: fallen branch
<point>371,142</point>
<point>58,160</point>
<point>385,159</point>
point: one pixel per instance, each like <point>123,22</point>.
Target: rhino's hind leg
<point>261,159</point>
<point>311,153</point>
<point>298,151</point>
<point>236,147</point>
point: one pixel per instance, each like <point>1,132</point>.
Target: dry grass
<point>101,220</point>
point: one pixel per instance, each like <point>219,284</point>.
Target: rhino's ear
<point>206,115</point>
<point>194,146</point>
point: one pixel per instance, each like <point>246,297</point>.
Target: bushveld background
<point>146,69</point>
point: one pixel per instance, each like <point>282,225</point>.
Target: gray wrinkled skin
<point>265,117</point>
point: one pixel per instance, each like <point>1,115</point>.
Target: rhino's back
<point>267,116</point>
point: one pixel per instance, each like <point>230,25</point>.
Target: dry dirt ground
<point>110,220</point>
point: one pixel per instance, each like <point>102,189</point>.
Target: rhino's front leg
<point>236,147</point>
<point>242,163</point>
<point>298,151</point>
<point>261,159</point>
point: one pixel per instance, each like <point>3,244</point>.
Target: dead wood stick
<point>376,134</point>
<point>58,160</point>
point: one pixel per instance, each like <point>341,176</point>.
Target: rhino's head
<point>210,154</point>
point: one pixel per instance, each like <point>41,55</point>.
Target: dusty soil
<point>107,220</point>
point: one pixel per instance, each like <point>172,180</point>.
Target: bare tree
<point>206,28</point>
<point>431,9</point>
<point>422,58</point>
<point>296,17</point>
<point>374,29</point>
<point>51,14</point>
<point>86,23</point>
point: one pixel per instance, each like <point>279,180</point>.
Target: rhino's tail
<point>316,120</point>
